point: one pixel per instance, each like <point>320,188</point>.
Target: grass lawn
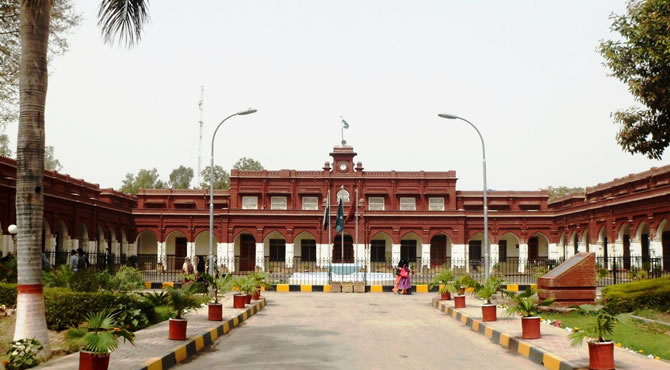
<point>634,334</point>
<point>653,314</point>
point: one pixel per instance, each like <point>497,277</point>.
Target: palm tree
<point>122,18</point>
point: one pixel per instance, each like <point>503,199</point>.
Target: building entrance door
<point>626,252</point>
<point>180,247</point>
<point>247,253</point>
<point>438,250</point>
<point>532,249</point>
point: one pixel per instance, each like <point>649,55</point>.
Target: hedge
<point>652,293</point>
<point>65,308</point>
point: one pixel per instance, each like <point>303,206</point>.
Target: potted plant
<point>181,300</point>
<point>98,338</point>
<point>601,350</point>
<point>259,277</point>
<point>220,285</point>
<point>445,280</point>
<point>240,284</point>
<point>486,291</point>
<point>460,284</point>
<point>526,304</point>
<point>250,288</point>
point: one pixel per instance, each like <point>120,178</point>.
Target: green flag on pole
<point>345,124</point>
<point>339,223</point>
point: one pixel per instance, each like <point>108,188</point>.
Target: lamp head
<point>448,116</point>
<point>12,229</point>
<point>248,111</point>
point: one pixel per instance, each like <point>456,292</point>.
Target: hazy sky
<point>527,73</point>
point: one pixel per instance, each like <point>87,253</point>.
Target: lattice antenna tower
<point>201,122</point>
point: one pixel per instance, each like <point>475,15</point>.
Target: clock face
<point>343,166</point>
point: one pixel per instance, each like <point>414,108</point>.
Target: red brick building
<point>413,214</point>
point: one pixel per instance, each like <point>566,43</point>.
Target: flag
<point>345,124</point>
<point>351,214</point>
<point>326,216</point>
<point>339,223</point>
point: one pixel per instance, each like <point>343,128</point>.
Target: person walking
<point>83,259</point>
<point>201,267</point>
<point>405,285</point>
<point>396,271</point>
<point>187,267</point>
<point>74,261</point>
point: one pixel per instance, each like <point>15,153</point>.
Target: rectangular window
<point>277,250</point>
<point>378,250</point>
<point>249,202</point>
<point>436,204</point>
<point>408,250</point>
<point>408,204</point>
<point>376,203</point>
<point>308,250</point>
<point>278,203</point>
<point>310,203</point>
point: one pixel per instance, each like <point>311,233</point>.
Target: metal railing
<point>298,271</point>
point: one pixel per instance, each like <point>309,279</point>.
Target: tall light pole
<point>211,189</point>
<point>486,208</point>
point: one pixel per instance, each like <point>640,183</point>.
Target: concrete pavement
<point>353,331</point>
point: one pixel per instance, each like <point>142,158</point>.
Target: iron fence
<point>299,271</point>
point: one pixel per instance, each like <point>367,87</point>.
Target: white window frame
<point>374,203</point>
<point>436,204</point>
<point>246,200</point>
<point>310,203</point>
<point>278,203</point>
<point>407,204</point>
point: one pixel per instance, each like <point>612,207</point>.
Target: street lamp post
<point>486,211</point>
<point>211,190</point>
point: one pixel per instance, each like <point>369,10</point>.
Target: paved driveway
<point>353,331</point>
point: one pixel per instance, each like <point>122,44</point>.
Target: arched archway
<point>585,241</point>
<point>440,250</point>
<point>475,251</point>
<point>663,234</point>
<point>245,251</point>
<point>411,248</point>
<point>62,237</point>
<point>274,249</point>
<point>642,236</point>
<point>508,247</point>
<point>604,246</point>
<point>574,239</point>
<point>381,245</point>
<point>624,238</point>
<point>202,244</point>
<point>538,247</point>
<point>343,249</point>
<point>304,247</point>
<point>147,250</point>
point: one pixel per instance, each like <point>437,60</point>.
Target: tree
<point>642,61</point>
<point>248,164</point>
<point>124,18</point>
<point>5,151</point>
<point>221,178</point>
<point>50,161</point>
<point>145,179</point>
<point>556,192</point>
<point>180,178</point>
<point>63,20</point>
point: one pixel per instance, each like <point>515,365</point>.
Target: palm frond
<point>123,18</point>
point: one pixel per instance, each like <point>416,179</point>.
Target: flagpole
<point>330,248</point>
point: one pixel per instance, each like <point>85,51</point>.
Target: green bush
<point>8,294</point>
<point>127,279</point>
<point>86,281</point>
<point>654,293</point>
<point>8,270</point>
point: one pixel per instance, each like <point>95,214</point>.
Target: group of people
<point>78,260</point>
<point>188,269</point>
<point>403,284</point>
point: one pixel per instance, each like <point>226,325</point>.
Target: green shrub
<point>654,293</point>
<point>8,294</point>
<point>58,278</point>
<point>86,281</point>
<point>163,313</point>
<point>8,270</point>
<point>126,279</point>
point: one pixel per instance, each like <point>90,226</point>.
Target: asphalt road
<point>353,331</point>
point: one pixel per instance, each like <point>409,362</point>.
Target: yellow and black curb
<point>197,342</point>
<point>308,288</point>
<point>526,349</point>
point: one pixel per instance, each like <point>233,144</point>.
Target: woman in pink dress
<point>405,285</point>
